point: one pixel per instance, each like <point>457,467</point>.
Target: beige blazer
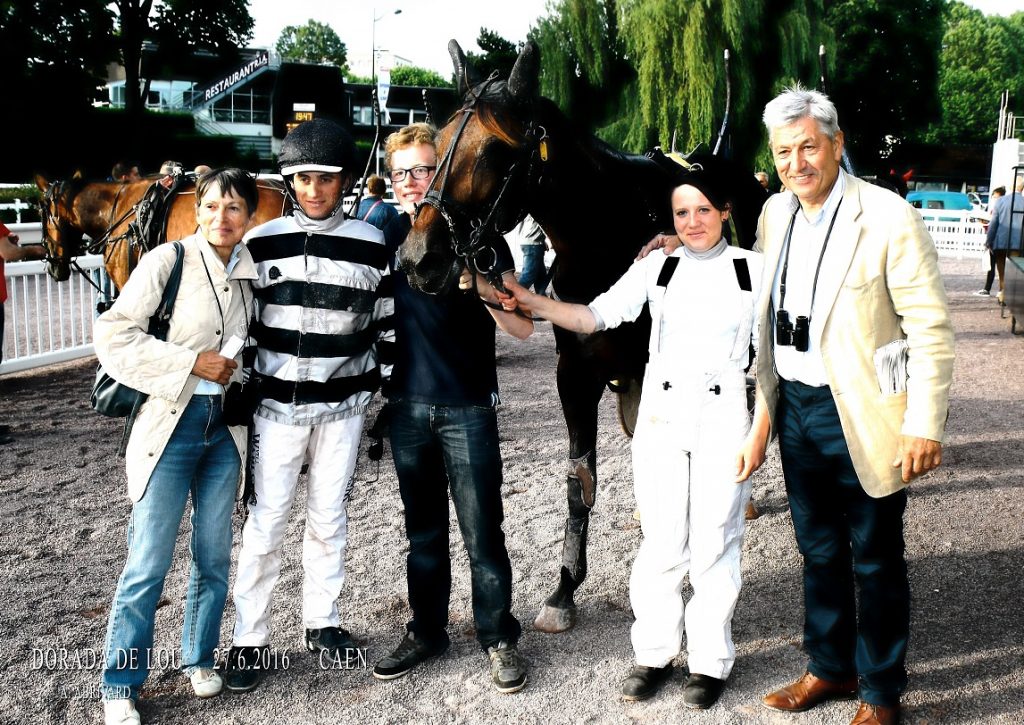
<point>163,369</point>
<point>891,289</point>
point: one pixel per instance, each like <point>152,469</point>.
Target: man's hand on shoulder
<point>668,242</point>
<point>917,456</point>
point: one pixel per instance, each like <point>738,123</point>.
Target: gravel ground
<point>63,544</point>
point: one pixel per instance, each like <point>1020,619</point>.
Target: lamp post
<point>373,40</point>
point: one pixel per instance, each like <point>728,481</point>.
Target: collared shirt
<point>804,251</point>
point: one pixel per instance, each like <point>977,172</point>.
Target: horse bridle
<point>476,250</point>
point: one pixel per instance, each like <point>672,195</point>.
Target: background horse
<point>509,152</point>
<point>126,220</point>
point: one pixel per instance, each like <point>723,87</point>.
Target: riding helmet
<point>317,145</point>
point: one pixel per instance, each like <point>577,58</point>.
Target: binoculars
<point>793,333</point>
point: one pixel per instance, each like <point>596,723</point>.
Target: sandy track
<point>63,541</point>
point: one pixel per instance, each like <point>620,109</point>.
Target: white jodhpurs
<point>691,513</point>
<point>278,452</point>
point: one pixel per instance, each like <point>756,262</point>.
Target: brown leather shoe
<point>868,714</point>
<point>807,692</point>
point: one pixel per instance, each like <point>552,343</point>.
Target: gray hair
<point>797,102</point>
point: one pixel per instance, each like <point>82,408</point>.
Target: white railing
<point>47,321</point>
<point>955,233</point>
<point>17,206</point>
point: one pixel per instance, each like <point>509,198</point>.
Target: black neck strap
<point>817,270</point>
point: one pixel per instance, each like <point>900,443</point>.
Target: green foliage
<point>981,57</point>
<point>886,69</point>
<point>28,194</point>
<point>643,71</point>
<point>498,54</point>
<point>412,75</point>
<point>314,42</point>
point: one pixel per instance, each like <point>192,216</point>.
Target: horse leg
<point>580,395</point>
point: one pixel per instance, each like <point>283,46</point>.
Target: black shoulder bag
<point>117,400</point>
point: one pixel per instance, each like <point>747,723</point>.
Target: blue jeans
<point>534,273</point>
<point>200,461</point>
<point>437,448</point>
<point>856,590</point>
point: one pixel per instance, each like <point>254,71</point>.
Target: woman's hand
<point>518,296</point>
<point>670,242</point>
<point>751,456</point>
<point>213,366</point>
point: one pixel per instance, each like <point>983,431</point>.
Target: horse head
<point>62,238</point>
<point>488,152</point>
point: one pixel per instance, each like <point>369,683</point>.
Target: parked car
<point>930,202</point>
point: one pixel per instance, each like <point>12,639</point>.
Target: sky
<point>422,30</point>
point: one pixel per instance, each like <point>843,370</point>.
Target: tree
<point>886,70</point>
<point>412,75</point>
<point>50,45</point>
<point>498,54</point>
<point>981,56</point>
<point>643,71</point>
<point>313,42</point>
<point>218,27</point>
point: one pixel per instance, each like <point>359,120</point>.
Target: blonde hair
<point>412,135</point>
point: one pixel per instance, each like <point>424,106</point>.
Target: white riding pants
<point>278,452</point>
<point>692,516</point>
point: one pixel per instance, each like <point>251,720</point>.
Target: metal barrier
<point>47,321</point>
<point>955,233</point>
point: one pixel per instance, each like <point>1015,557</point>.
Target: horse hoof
<point>554,620</point>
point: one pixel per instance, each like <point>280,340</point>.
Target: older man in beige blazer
<point>854,367</point>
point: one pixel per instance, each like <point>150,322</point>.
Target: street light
<point>373,40</point>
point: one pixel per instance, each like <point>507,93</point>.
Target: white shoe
<point>206,682</point>
<point>120,712</point>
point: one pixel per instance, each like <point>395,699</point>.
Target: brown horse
<point>508,152</point>
<point>126,220</point>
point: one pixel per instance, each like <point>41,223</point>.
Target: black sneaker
<point>508,668</point>
<point>245,667</point>
<point>643,681</point>
<point>702,691</point>
<point>410,652</point>
<point>334,640</point>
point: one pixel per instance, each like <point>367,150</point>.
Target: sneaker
<point>206,682</point>
<point>702,691</point>
<point>334,640</point>
<point>508,668</point>
<point>120,712</point>
<point>245,667</point>
<point>410,652</point>
<point>983,293</point>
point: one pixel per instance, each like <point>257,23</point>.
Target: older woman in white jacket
<point>180,447</point>
<point>692,452</point>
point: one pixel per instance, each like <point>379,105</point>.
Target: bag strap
<point>159,323</point>
<point>370,210</point>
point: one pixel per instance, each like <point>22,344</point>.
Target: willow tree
<point>650,70</point>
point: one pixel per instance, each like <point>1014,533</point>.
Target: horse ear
<point>459,63</point>
<point>523,81</point>
<point>42,183</point>
<point>77,174</point>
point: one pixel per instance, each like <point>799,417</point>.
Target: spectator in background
<point>997,193</point>
<point>373,209</point>
<point>532,241</point>
<point>125,171</point>
<point>201,169</point>
<point>1004,232</point>
<point>762,178</point>
<point>11,252</point>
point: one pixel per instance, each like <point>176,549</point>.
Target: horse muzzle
<point>432,273</point>
<point>59,269</point>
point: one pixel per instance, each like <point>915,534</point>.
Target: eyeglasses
<point>418,172</point>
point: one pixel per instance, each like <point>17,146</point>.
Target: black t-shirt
<point>444,344</point>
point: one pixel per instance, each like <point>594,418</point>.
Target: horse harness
<point>477,251</point>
